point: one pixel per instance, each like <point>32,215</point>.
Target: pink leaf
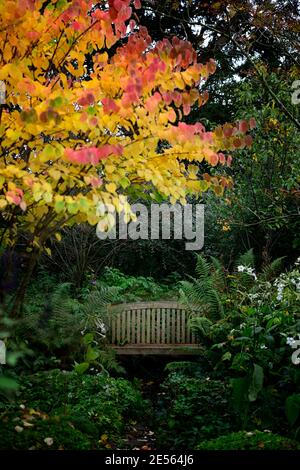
<point>109,106</point>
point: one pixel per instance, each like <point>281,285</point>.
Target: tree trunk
<point>16,311</point>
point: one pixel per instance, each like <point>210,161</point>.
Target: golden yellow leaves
<point>57,136</point>
<point>111,188</point>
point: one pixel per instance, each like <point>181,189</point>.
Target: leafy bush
<point>256,440</point>
<point>94,405</point>
<point>251,343</point>
<point>133,288</point>
<point>193,409</point>
<point>28,430</point>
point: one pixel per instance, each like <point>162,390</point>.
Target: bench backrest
<point>150,323</point>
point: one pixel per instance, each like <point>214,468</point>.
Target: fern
<point>272,270</point>
<point>63,318</point>
<point>218,274</point>
<point>96,304</point>
<point>202,268</point>
<point>200,293</point>
<point>247,259</point>
<point>201,325</point>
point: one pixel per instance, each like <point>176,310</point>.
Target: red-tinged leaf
<point>177,98</point>
<point>92,155</point>
<point>203,98</point>
<point>95,181</point>
<point>119,4</point>
<point>168,98</point>
<point>172,115</point>
<point>137,4</point>
<point>252,123</point>
<point>186,109</point>
<point>132,24</point>
<point>248,140</point>
<point>243,126</point>
<point>94,121</point>
<point>124,14</point>
<point>237,143</point>
<point>211,66</point>
<point>214,159</point>
<point>76,26</point>
<point>32,35</point>
<point>224,182</point>
<point>83,117</point>
<point>110,106</point>
<point>86,100</point>
<point>152,103</point>
<point>227,130</point>
<point>27,85</point>
<point>15,196</point>
<point>23,205</point>
<point>229,160</point>
<point>222,158</point>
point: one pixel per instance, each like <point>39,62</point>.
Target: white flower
<point>263,346</point>
<point>48,441</point>
<point>290,341</point>
<point>19,428</point>
<point>247,270</point>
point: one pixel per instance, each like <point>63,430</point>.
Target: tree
<point>89,100</point>
<point>240,34</point>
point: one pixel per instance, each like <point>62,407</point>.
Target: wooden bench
<point>149,328</point>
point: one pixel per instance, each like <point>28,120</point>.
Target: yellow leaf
<point>111,187</point>
<point>55,174</point>
<point>3,203</point>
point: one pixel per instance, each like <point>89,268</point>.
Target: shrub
<point>31,431</point>
<point>243,440</point>
<point>193,409</point>
<point>94,405</point>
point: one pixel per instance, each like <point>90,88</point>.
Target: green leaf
<point>124,182</point>
<point>88,338</point>
<point>92,354</point>
<point>59,206</point>
<point>292,408</point>
<point>226,356</point>
<point>256,383</point>
<point>82,367</point>
<point>13,357</point>
<point>240,388</point>
<point>6,383</point>
<point>49,151</point>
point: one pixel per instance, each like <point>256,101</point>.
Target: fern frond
<point>272,270</point>
<point>200,325</point>
<point>202,268</point>
<point>247,259</point>
<point>201,296</point>
<point>218,274</point>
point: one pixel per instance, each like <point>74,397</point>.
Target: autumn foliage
<point>89,100</point>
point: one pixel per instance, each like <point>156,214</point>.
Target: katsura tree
<point>94,107</point>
